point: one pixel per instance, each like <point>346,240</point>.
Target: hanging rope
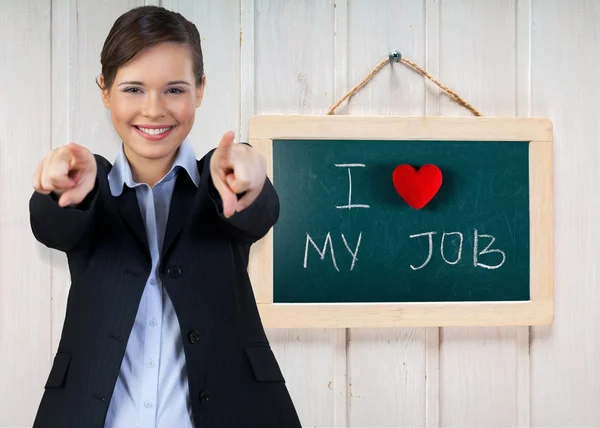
<point>395,56</point>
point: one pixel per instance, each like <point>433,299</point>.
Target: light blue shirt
<point>152,388</point>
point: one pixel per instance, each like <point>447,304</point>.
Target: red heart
<point>417,188</point>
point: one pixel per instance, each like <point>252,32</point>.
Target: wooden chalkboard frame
<point>537,132</point>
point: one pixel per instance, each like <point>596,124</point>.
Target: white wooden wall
<point>507,57</point>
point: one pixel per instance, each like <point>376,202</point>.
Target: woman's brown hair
<point>141,28</point>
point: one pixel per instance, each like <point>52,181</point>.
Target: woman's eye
<point>169,91</point>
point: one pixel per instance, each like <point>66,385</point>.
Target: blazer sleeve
<point>252,223</point>
<point>64,228</point>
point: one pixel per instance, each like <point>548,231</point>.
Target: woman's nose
<point>153,106</point>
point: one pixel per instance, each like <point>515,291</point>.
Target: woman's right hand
<point>69,172</point>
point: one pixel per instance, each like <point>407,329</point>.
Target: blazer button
<point>174,271</point>
<point>194,336</point>
<point>204,396</point>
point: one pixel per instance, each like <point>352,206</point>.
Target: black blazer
<point>234,378</point>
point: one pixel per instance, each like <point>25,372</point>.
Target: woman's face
<point>153,101</point>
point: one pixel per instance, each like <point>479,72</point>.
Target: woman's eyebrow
<point>179,82</point>
<point>132,82</point>
<point>135,82</point>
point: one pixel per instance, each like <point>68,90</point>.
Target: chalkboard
<point>349,249</point>
<point>345,235</point>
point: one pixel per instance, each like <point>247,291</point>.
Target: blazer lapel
<point>182,203</point>
<point>129,210</point>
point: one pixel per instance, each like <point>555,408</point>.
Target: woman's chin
<point>154,150</point>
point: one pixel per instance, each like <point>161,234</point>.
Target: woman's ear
<point>200,91</point>
<point>104,93</point>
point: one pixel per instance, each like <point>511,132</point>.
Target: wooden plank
<point>564,358</point>
<point>218,22</point>
<point>247,66</point>
<point>392,391</point>
<point>89,122</point>
<point>392,388</point>
<point>386,128</point>
<point>478,61</point>
<point>78,33</point>
<point>542,220</point>
<point>25,283</point>
<point>432,108</point>
<point>478,365</point>
<point>340,385</point>
<point>294,56</point>
<point>61,93</point>
<point>373,33</point>
<point>260,265</point>
<point>384,315</point>
<point>523,108</point>
<point>293,72</point>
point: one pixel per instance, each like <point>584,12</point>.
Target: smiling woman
<point>161,316</point>
<point>153,99</point>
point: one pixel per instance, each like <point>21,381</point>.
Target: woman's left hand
<point>237,169</point>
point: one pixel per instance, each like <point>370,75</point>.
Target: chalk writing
<point>349,166</point>
<point>321,253</point>
<point>459,247</point>
<point>476,253</point>
<point>476,250</point>
<point>355,253</point>
<point>329,243</point>
<point>430,234</point>
<point>486,250</point>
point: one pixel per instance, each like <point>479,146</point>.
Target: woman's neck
<point>149,171</point>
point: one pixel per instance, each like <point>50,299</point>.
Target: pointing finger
<point>228,199</point>
<point>227,140</point>
<point>77,155</point>
<point>224,149</point>
<point>37,179</point>
<point>45,183</point>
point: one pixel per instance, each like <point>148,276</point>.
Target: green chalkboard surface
<point>345,235</point>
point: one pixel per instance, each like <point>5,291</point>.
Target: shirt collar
<point>120,173</point>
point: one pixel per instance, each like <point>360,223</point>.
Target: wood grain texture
<point>260,263</point>
<point>565,376</point>
<point>386,315</point>
<point>432,108</point>
<point>61,123</point>
<point>477,55</point>
<point>294,68</point>
<point>340,386</point>
<point>79,29</point>
<point>375,28</point>
<point>89,122</point>
<point>25,286</point>
<point>478,376</point>
<point>294,56</point>
<point>478,366</point>
<point>218,22</point>
<point>440,128</point>
<point>247,66</point>
<point>507,57</point>
<point>392,391</point>
<point>523,108</point>
<point>383,128</point>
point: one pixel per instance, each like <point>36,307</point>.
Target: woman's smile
<point>154,132</point>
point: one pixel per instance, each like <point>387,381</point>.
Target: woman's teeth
<point>154,131</point>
